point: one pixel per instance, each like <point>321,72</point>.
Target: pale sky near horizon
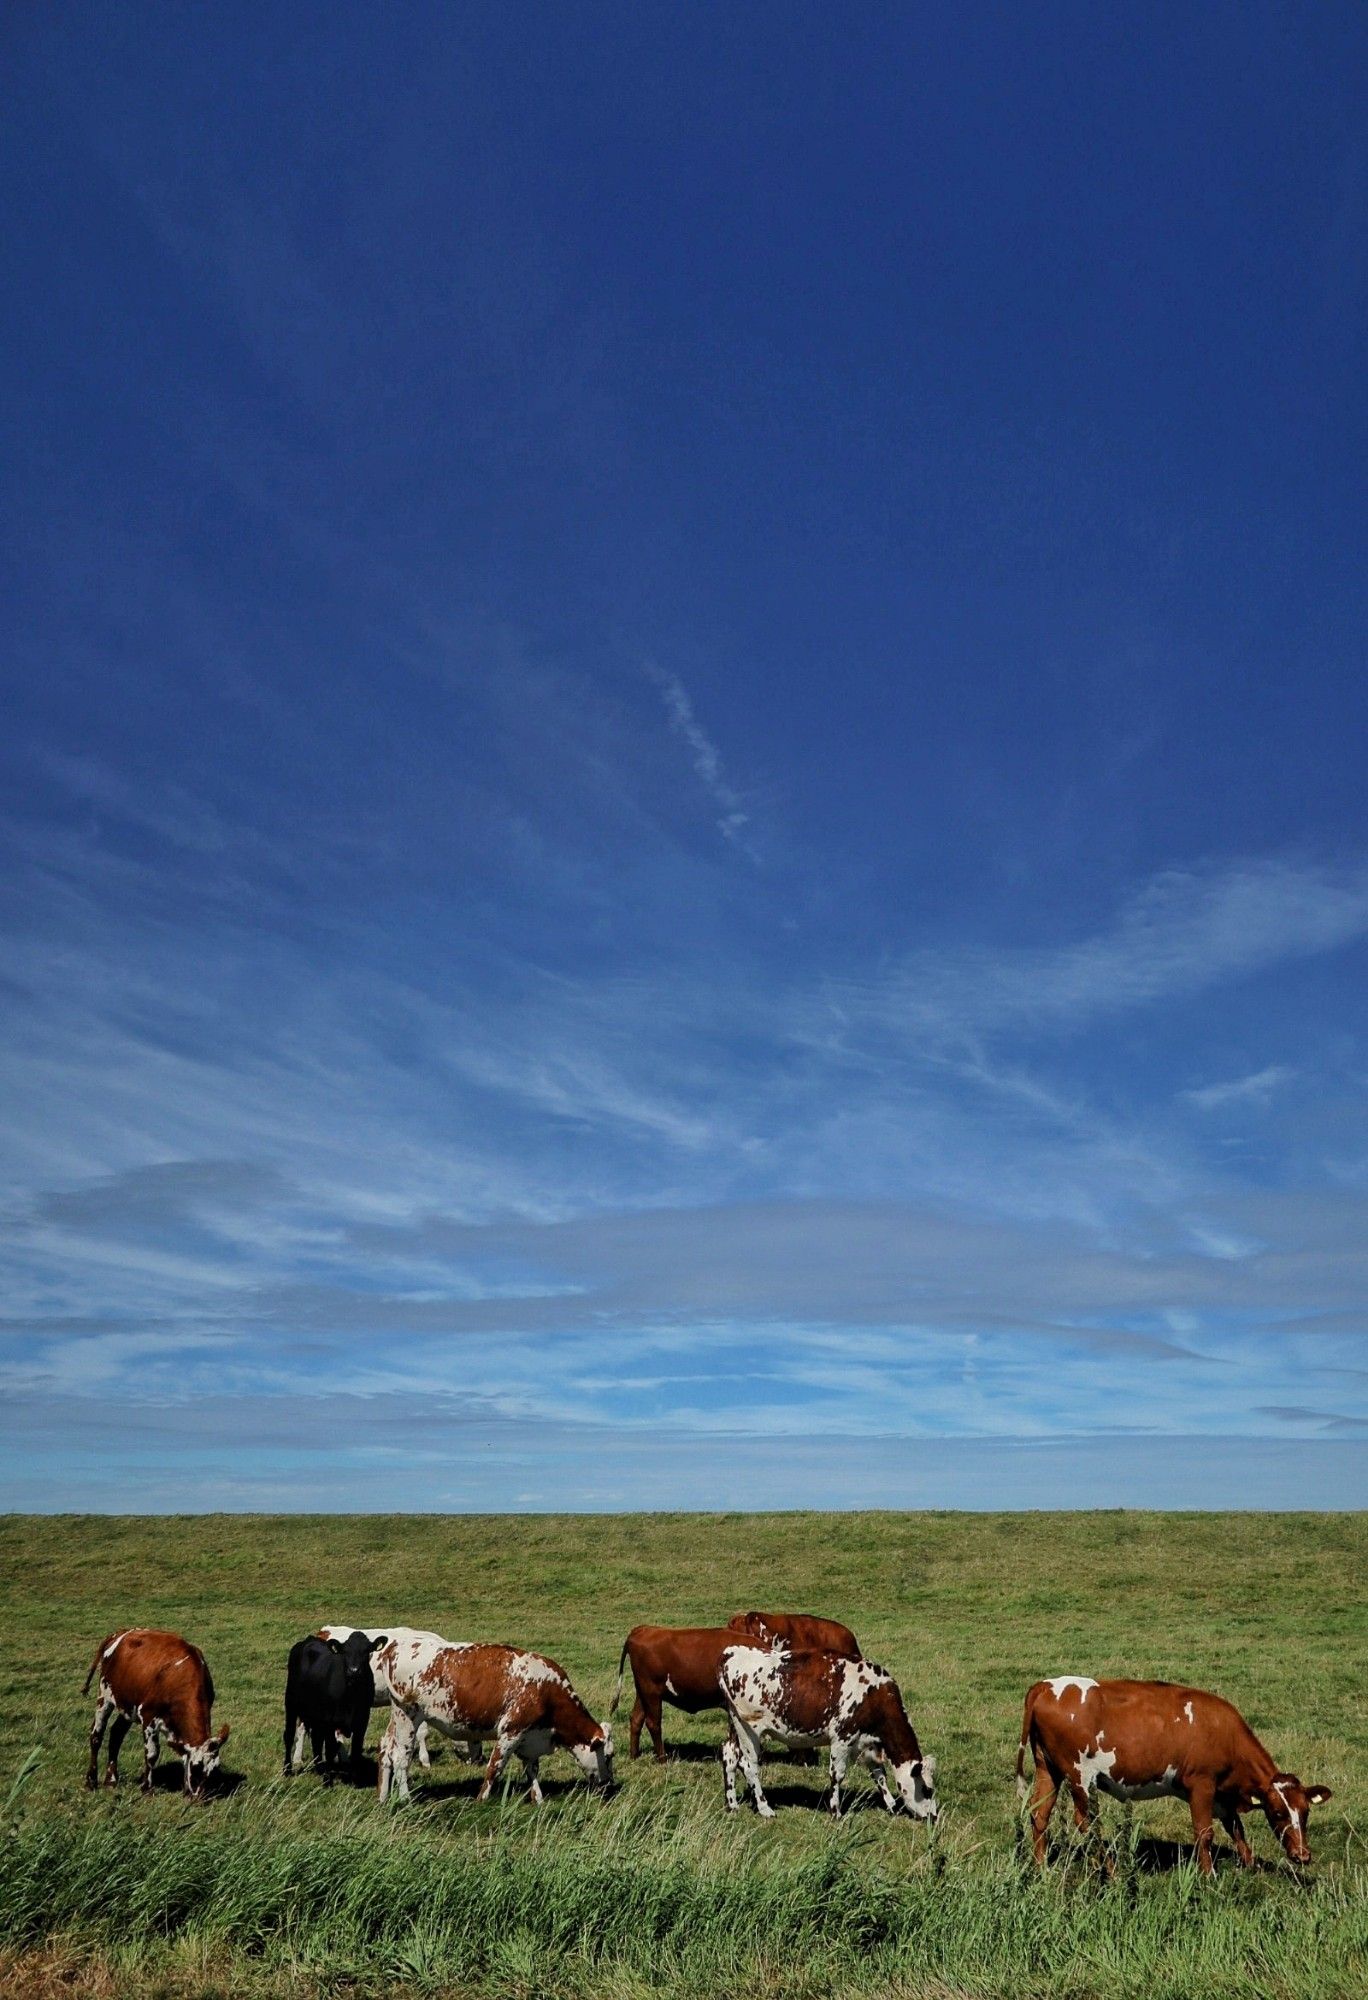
<point>683,816</point>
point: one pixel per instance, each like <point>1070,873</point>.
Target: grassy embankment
<point>275,1887</point>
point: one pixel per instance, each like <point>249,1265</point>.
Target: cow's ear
<point>223,1734</point>
<point>376,1644</point>
<point>1317,1794</point>
<point>334,1645</point>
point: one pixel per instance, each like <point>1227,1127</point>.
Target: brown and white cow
<point>162,1682</point>
<point>799,1631</point>
<point>1156,1739</point>
<point>678,1664</point>
<point>851,1706</point>
<point>522,1700</point>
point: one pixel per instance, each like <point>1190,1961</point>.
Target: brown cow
<point>679,1664</point>
<point>674,1663</point>
<point>162,1681</point>
<point>523,1700</point>
<point>799,1631</point>
<point>1155,1739</point>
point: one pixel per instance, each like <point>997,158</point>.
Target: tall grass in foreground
<point>627,1899</point>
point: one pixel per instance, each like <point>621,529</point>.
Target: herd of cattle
<point>790,1679</point>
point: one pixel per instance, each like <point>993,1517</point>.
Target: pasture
<point>278,1887</point>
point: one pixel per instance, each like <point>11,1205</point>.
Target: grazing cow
<point>523,1700</point>
<point>329,1691</point>
<point>798,1631</point>
<point>161,1681</point>
<point>1154,1739</point>
<point>674,1663</point>
<point>852,1706</point>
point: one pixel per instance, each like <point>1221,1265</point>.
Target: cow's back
<point>465,1688</point>
<point>800,1631</point>
<point>1136,1728</point>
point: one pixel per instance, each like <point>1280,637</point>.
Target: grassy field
<point>276,1888</point>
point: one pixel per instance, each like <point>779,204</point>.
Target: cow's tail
<point>99,1655</point>
<point>1024,1745</point>
<point>622,1674</point>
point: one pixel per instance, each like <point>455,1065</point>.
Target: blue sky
<point>683,816</point>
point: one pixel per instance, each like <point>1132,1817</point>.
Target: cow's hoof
<point>111,1779</point>
<point>765,1812</point>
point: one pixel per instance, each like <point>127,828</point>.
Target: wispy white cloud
<point>707,762</point>
<point>1256,1089</point>
<point>1185,932</point>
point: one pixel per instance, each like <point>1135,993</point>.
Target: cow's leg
<point>534,1790</point>
<point>423,1758</point>
<point>502,1746</point>
<point>358,1740</point>
<point>731,1757</point>
<point>840,1758</point>
<point>647,1709</point>
<point>1201,1799</point>
<point>748,1743</point>
<point>876,1765</point>
<point>104,1708</point>
<point>1228,1814</point>
<point>329,1755</point>
<point>317,1741</point>
<point>151,1752</point>
<point>118,1729</point>
<point>395,1752</point>
<point>294,1742</point>
<point>1043,1795</point>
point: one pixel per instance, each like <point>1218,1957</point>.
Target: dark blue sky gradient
<point>685,755</point>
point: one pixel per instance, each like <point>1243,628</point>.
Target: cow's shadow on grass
<point>813,1798</point>
<point>168,1777</point>
<point>453,1789</point>
<point>1163,1857</point>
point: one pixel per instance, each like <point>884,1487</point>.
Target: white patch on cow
<point>1092,1764</point>
<point>531,1668</point>
<point>1150,1788</point>
<point>670,1687</point>
<point>1187,1710</point>
<point>856,1681</point>
<point>1294,1816</point>
<point>1063,1681</point>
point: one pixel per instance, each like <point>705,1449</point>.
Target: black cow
<point>329,1688</point>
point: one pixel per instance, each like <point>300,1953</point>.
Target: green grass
<point>276,1888</point>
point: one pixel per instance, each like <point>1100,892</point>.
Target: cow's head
<point>202,1760</point>
<point>916,1783</point>
<point>753,1623</point>
<point>595,1757</point>
<point>1287,1803</point>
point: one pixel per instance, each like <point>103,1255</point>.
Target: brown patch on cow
<point>799,1630</point>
